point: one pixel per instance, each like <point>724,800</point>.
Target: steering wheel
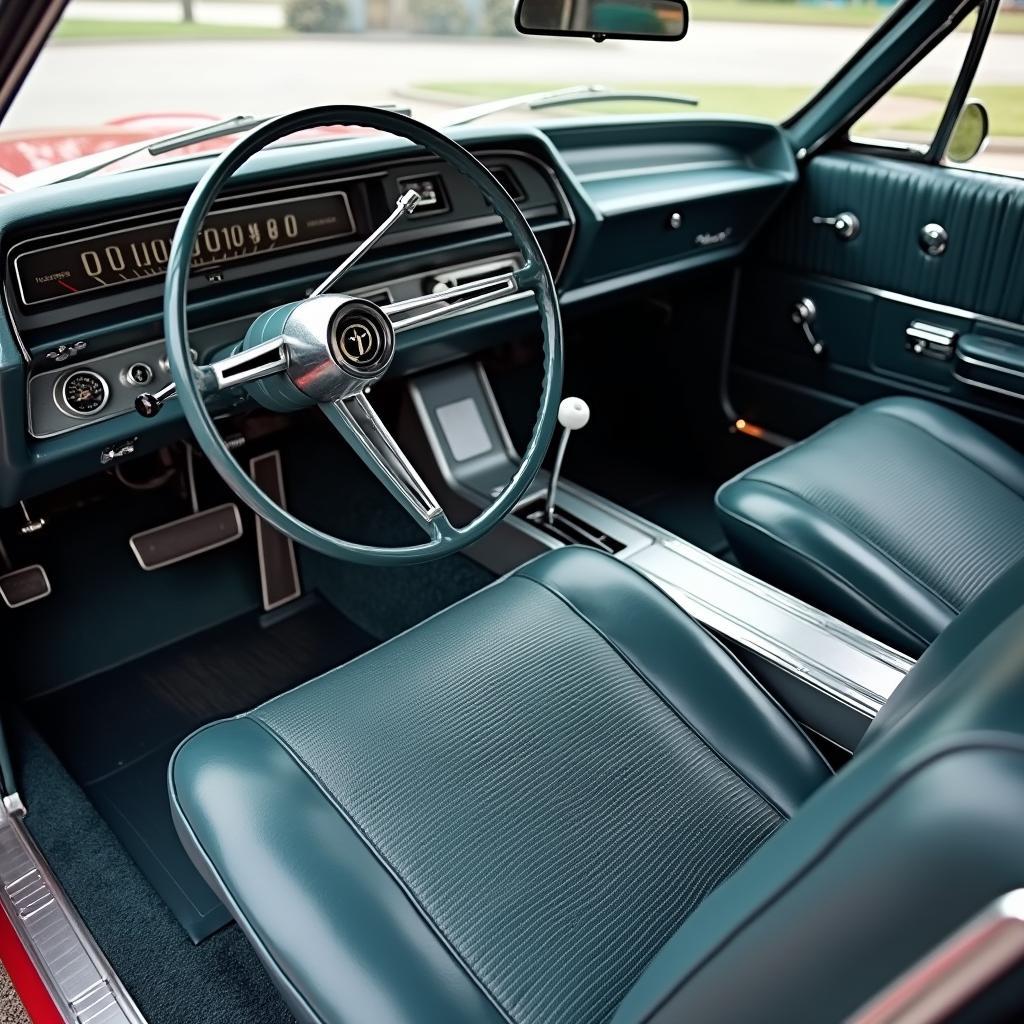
<point>329,348</point>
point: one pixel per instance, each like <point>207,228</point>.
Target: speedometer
<point>71,269</point>
<point>84,392</point>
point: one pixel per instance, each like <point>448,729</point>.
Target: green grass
<point>87,29</point>
<point>772,102</point>
<point>779,12</point>
<point>1005,102</point>
<point>785,12</point>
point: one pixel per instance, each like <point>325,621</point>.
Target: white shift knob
<point>573,413</point>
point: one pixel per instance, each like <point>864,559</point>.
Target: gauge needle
<point>64,284</point>
<point>406,204</point>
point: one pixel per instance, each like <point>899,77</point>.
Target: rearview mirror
<point>666,20</point>
<point>969,133</point>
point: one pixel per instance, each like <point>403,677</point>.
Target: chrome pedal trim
<point>78,977</point>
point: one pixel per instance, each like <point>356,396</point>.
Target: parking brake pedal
<point>23,586</point>
<point>192,535</point>
<point>279,573</point>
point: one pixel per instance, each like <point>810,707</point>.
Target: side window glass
<point>908,115</point>
<point>999,88</point>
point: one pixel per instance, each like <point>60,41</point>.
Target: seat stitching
<point>661,696</point>
<point>305,767</point>
<point>949,447</point>
<point>865,540</point>
<point>905,774</point>
<point>833,576</point>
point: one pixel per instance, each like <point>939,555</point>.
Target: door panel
<point>870,289</point>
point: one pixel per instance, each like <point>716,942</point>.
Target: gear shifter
<point>573,414</point>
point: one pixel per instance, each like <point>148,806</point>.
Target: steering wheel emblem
<point>359,342</point>
<point>361,339</point>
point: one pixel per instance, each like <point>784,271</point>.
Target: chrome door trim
<point>956,970</point>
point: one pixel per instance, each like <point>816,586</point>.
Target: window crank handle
<point>803,315</point>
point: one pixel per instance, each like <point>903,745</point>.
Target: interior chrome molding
<point>825,653</point>
<point>78,977</point>
<point>957,970</point>
<point>910,300</point>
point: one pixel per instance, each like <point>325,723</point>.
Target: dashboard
<point>614,202</point>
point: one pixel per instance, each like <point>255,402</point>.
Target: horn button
<point>337,345</point>
<point>362,339</point>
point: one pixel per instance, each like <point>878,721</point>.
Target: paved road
<point>209,12</point>
<point>91,82</point>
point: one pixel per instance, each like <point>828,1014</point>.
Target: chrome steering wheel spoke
<point>327,349</point>
<point>262,360</point>
<point>458,300</point>
<point>357,421</point>
<point>243,367</point>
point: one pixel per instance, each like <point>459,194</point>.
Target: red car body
<point>23,152</point>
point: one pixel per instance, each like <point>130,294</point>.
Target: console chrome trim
<point>823,652</point>
<point>947,978</point>
<point>847,666</point>
<point>78,977</point>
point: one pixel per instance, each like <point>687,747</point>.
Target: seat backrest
<point>919,832</point>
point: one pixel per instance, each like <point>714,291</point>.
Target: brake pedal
<point>23,586</point>
<point>279,572</point>
<point>185,538</point>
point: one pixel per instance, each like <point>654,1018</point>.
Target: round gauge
<point>84,392</point>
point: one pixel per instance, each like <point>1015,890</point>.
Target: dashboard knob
<point>137,375</point>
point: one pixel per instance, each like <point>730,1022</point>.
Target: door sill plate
<point>78,977</point>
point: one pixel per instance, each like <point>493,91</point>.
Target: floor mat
<point>115,732</point>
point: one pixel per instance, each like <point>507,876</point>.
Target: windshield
<point>119,72</point>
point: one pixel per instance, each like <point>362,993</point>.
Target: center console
<point>832,677</point>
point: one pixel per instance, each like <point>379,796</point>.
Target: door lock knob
<point>846,225</point>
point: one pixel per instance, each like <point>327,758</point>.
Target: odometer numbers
<point>121,257</point>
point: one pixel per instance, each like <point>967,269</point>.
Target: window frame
<point>932,154</point>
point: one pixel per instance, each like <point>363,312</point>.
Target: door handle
<point>846,225</point>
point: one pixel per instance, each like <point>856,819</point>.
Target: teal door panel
<point>875,294</point>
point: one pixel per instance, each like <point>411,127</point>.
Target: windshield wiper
<point>573,94</point>
<point>71,170</point>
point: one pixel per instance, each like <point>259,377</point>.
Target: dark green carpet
<point>116,732</point>
<point>332,490</point>
<point>172,980</point>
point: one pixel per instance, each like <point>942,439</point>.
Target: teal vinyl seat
<point>892,518</point>
<point>562,801</point>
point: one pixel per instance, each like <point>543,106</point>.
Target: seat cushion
<point>499,815</point>
<point>892,518</point>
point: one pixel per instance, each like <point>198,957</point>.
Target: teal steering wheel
<point>329,348</point>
